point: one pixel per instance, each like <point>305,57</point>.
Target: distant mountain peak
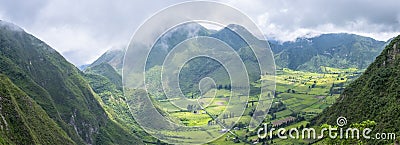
<point>116,49</point>
<point>340,50</point>
<point>192,29</point>
<point>235,27</point>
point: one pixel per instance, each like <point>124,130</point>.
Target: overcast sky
<point>84,29</point>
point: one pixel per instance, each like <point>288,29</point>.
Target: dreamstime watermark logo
<point>341,121</point>
<point>159,53</point>
<point>325,131</point>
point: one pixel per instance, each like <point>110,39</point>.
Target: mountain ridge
<point>339,50</point>
<point>358,53</point>
<point>59,88</point>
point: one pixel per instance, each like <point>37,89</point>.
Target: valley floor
<point>299,97</point>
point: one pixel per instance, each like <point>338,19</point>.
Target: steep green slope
<point>375,95</point>
<point>106,82</point>
<point>58,87</point>
<point>333,50</point>
<point>106,70</point>
<point>23,121</point>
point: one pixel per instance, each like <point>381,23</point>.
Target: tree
<point>190,107</point>
<point>313,85</point>
<point>219,87</point>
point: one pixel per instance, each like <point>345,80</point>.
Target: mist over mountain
<point>198,68</point>
<point>338,50</point>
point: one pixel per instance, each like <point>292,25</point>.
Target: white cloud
<point>75,42</point>
<point>82,30</point>
<point>286,20</point>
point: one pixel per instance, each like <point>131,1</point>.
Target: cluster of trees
<point>336,88</point>
<point>228,115</point>
<point>226,87</point>
<point>256,113</point>
<point>291,91</point>
<point>288,121</point>
<point>276,107</point>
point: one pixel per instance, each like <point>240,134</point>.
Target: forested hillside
<point>58,87</point>
<point>374,96</point>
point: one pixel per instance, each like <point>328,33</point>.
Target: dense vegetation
<point>106,82</point>
<point>373,96</point>
<point>23,121</point>
<point>58,87</point>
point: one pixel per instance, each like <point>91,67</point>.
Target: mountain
<point>172,38</point>
<point>338,50</point>
<point>64,105</point>
<point>373,96</point>
<point>307,54</point>
<point>83,67</point>
<point>198,68</point>
<point>229,35</point>
<point>114,57</point>
<point>333,50</point>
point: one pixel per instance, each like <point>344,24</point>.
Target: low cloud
<point>286,20</point>
<point>83,30</point>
